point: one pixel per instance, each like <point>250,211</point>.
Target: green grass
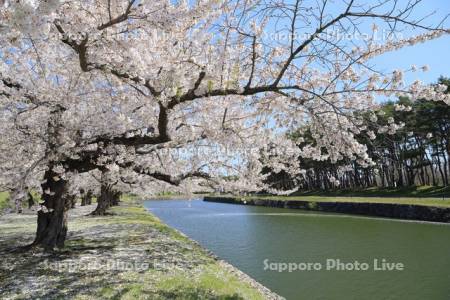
<point>418,195</point>
<point>168,194</point>
<point>36,196</point>
<point>6,203</point>
<point>413,191</point>
<point>212,283</point>
<point>4,200</point>
<point>392,200</point>
<point>129,198</point>
<point>137,234</point>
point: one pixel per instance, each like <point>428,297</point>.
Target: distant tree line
<point>416,154</point>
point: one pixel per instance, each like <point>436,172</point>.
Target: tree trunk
<point>86,198</point>
<point>89,198</point>
<point>73,201</point>
<point>17,198</point>
<point>116,198</point>
<point>104,201</point>
<point>18,203</point>
<point>52,218</point>
<point>30,200</point>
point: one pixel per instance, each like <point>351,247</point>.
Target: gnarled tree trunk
<point>108,195</point>
<point>52,218</point>
<point>105,200</point>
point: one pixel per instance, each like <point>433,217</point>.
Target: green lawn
<point>4,200</point>
<point>177,267</point>
<point>413,191</point>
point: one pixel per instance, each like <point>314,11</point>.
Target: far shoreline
<point>395,209</point>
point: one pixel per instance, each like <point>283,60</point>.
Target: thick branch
<point>80,48</point>
<point>171,179</point>
<point>119,19</point>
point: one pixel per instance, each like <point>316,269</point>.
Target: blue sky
<point>435,53</point>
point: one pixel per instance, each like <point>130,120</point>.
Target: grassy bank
<point>390,200</point>
<point>417,209</point>
<point>413,191</point>
<point>129,255</point>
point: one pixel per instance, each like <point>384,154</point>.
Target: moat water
<point>308,255</point>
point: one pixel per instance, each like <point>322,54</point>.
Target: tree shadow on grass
<point>79,246</point>
<point>194,293</point>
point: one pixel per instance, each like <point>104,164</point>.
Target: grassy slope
<point>423,195</point>
<point>209,281</point>
<point>180,269</point>
<point>393,200</point>
<point>414,191</point>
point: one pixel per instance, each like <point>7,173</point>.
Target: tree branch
<point>119,19</point>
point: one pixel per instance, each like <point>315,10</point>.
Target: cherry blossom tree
<point>179,89</point>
